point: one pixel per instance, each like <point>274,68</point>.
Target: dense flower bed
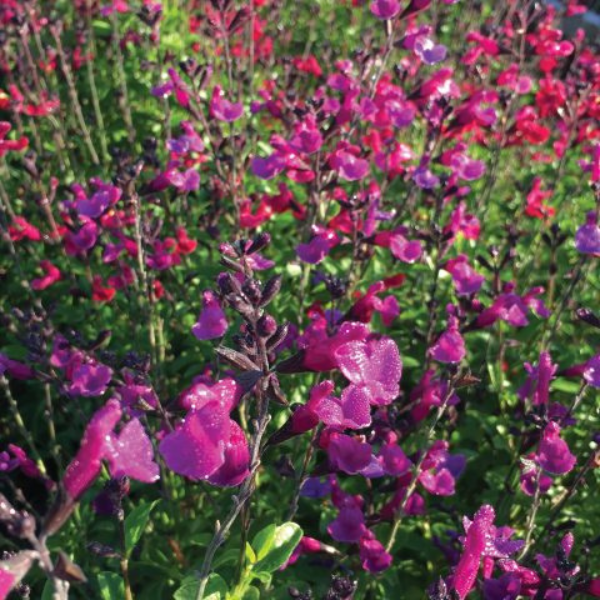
<point>299,300</point>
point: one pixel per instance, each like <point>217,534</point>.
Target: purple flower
<point>466,280</point>
<point>429,52</point>
<point>348,166</point>
<point>393,460</point>
<point>90,380</point>
<point>318,248</point>
<point>507,587</point>
<point>591,373</point>
<point>212,322</point>
<point>373,555</point>
<point>348,454</point>
<point>385,9</point>
<point>314,487</point>
<point>375,365</point>
<point>14,368</point>
<point>267,168</point>
<point>440,470</point>
<point>425,179</point>
<point>348,526</point>
<point>587,238</point>
<point>222,109</point>
<point>188,181</point>
<point>405,250</point>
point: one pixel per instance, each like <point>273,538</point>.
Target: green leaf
<point>250,556</point>
<point>216,588</point>
<point>287,537</point>
<point>135,523</point>
<point>48,591</point>
<point>251,593</point>
<point>111,586</point>
<point>263,540</point>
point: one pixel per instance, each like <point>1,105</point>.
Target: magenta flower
<point>52,275</point>
<point>385,9</point>
<point>553,454</point>
<point>320,349</point>
<point>375,365</point>
<point>90,379</point>
<point>405,250</point>
<point>212,322</point>
<point>227,392</point>
<point>450,346</point>
<point>587,238</point>
<point>209,445</point>
<point>128,453</point>
<point>82,240</point>
<point>537,386</point>
<point>351,411</point>
<point>393,460</point>
<point>348,166</point>
<point>95,206</point>
<point>319,246</point>
<point>373,555</point>
<point>465,574</point>
<point>7,581</point>
<point>440,469</point>
<point>466,280</point>
<point>222,109</point>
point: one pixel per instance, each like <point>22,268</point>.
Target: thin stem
<point>417,470</point>
<point>537,500</point>
<point>124,562</point>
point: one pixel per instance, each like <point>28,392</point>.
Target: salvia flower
<point>587,238</point>
<point>224,110</point>
<point>128,453</point>
<point>385,9</point>
<point>212,322</point>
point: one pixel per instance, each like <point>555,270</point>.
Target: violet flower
<point>450,346</point>
<point>385,9</point>
<point>587,238</point>
<point>553,454</point>
<point>373,554</point>
<point>89,379</point>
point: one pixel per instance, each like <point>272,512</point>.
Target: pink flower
<point>374,365</point>
<point>450,346</point>
<point>222,109</point>
<point>553,454</point>
<point>351,411</point>
<point>6,583</point>
<point>52,276</point>
<point>479,532</point>
<point>128,454</point>
<point>212,322</point>
<point>320,349</point>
